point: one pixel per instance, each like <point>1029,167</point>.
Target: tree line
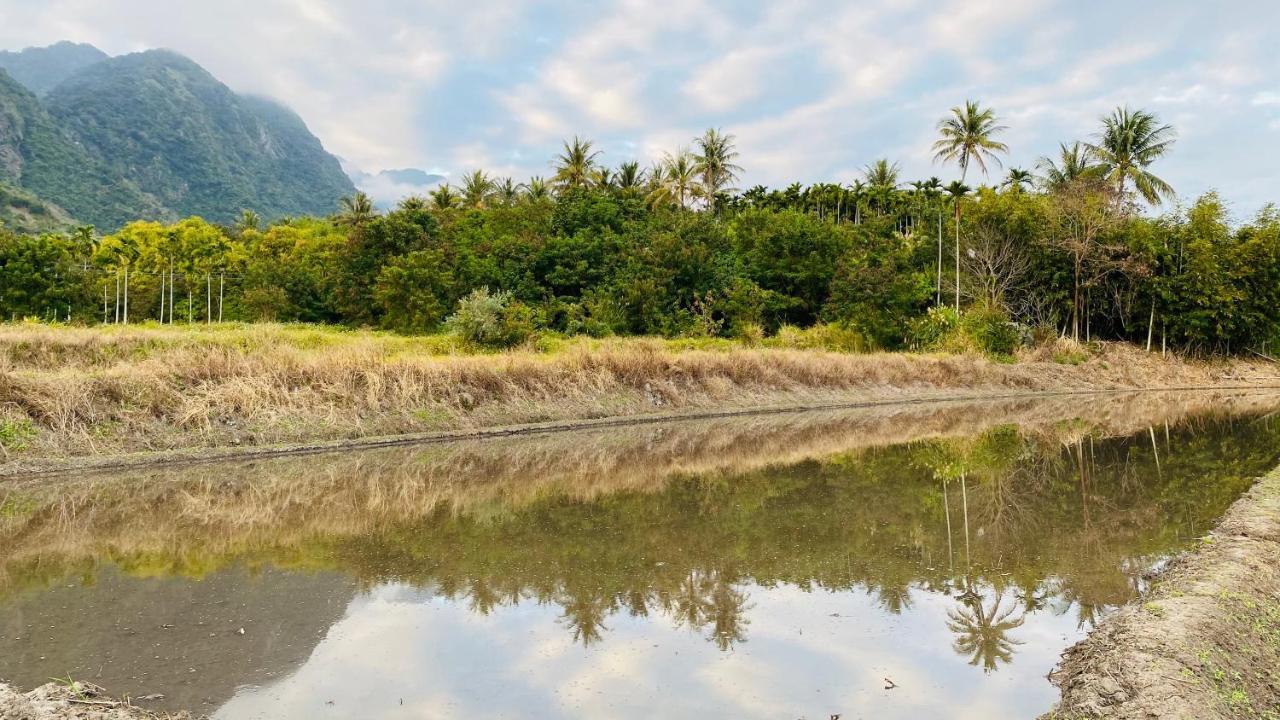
<point>676,249</point>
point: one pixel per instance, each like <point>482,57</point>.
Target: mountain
<point>162,122</point>
<point>389,187</point>
<point>20,211</point>
<point>40,69</point>
<point>41,157</point>
<point>150,135</point>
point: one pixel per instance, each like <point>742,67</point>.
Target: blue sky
<point>813,90</point>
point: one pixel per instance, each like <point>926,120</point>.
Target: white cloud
<point>813,90</point>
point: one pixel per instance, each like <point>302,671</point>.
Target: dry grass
<point>90,391</point>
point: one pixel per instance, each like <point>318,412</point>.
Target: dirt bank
<point>1204,643</point>
<point>78,701</point>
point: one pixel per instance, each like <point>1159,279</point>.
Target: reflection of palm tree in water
<point>982,634</point>
<point>584,615</point>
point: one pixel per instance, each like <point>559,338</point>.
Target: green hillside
<point>41,69</point>
<point>39,155</point>
<point>20,211</point>
<point>167,125</point>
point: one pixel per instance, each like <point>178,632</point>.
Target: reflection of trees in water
<point>1058,521</point>
<point>982,633</point>
<point>699,601</point>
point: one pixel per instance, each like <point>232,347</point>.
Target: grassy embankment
<point>106,392</point>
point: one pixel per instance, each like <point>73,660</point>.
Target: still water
<point>891,563</point>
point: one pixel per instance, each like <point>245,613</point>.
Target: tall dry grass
<point>84,391</point>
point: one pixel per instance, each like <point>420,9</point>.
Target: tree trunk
<point>162,298</point>
<point>1151,324</point>
<point>117,319</point>
<point>1075,302</point>
<point>126,294</point>
<point>222,280</point>
<point>208,299</point>
<point>939,301</point>
<point>171,306</point>
<point>957,255</point>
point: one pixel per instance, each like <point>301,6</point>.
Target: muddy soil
<point>77,701</point>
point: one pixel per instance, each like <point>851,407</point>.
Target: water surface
<point>904,562</point>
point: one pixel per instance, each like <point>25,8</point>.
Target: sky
<point>813,91</point>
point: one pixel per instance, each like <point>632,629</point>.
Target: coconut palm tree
<point>537,190</point>
<point>355,211</point>
<point>412,203</point>
<point>983,634</point>
<point>1018,180</point>
<point>507,192</point>
<point>678,182</point>
<point>957,191</point>
<point>714,162</point>
<point>248,220</point>
<point>968,137</point>
<point>629,178</point>
<point>445,198</point>
<point>574,166</point>
<point>1075,161</point>
<point>477,189</point>
<point>1129,142</point>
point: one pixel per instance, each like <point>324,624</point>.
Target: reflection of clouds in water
<point>809,654</point>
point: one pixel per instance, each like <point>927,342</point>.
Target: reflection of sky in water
<point>404,653</point>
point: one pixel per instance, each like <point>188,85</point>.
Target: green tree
<point>576,164</point>
<point>1130,141</point>
<point>967,137</point>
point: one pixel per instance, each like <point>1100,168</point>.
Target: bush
<point>823,336</point>
<point>492,320</point>
<point>991,331</point>
<point>932,330</point>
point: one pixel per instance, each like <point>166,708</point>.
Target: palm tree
<point>574,166</point>
<point>1129,142</point>
<point>412,203</point>
<point>1075,161</point>
<point>507,192</point>
<point>857,193</point>
<point>678,182</point>
<point>1018,179</point>
<point>983,634</point>
<point>957,191</point>
<point>882,174</point>
<point>356,210</point>
<point>445,198</point>
<point>537,190</point>
<point>968,136</point>
<point>477,188</point>
<point>629,178</point>
<point>714,162</point>
<point>248,220</point>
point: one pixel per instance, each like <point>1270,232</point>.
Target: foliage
<point>492,320</point>
<point>674,251</point>
<point>152,135</point>
<point>990,329</point>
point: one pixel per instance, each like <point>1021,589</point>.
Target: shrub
<point>823,336</point>
<point>991,331</point>
<point>932,330</point>
<point>492,320</point>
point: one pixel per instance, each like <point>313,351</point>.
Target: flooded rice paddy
<point>892,562</point>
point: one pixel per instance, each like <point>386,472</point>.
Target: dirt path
<point>1204,643</point>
